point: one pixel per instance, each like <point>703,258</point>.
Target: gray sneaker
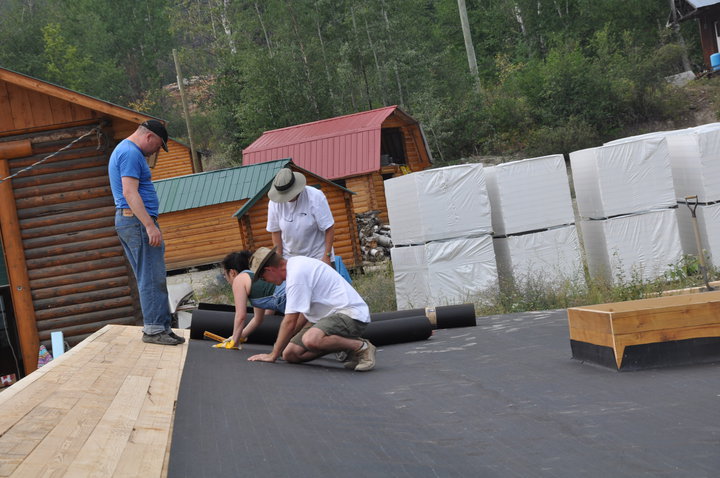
<point>365,358</point>
<point>180,340</point>
<point>163,338</point>
<point>351,360</point>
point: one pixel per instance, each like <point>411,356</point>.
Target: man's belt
<point>128,213</point>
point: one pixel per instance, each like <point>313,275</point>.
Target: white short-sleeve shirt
<point>303,223</point>
<point>316,290</point>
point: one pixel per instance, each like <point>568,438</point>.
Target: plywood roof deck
<point>104,408</point>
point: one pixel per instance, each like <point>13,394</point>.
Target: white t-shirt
<point>303,223</point>
<point>316,290</point>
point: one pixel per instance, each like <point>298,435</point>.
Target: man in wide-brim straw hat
<point>299,218</point>
<point>323,313</point>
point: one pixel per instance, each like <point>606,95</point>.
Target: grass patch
<point>377,288</point>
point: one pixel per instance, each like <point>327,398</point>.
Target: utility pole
<point>197,167</point>
<point>469,48</point>
<point>676,29</point>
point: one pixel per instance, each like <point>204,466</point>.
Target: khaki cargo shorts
<point>335,324</point>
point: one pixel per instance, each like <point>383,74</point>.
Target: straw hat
<point>259,260</point>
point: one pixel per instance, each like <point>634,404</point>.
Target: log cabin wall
<point>200,236</point>
<point>78,276</point>
<point>347,245</point>
<point>369,192</point>
<point>176,162</point>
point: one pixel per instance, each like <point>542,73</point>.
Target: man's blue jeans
<point>148,264</point>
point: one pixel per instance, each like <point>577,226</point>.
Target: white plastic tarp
<point>443,272</point>
<point>640,246</point>
<point>529,195</point>
<point>623,177</point>
<point>553,256</point>
<point>438,204</point>
<point>708,219</point>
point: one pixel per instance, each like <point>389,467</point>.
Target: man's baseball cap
<point>159,129</point>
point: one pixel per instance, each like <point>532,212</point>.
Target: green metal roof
<point>217,187</point>
<point>3,270</point>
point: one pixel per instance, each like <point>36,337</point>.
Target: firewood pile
<point>375,242</point>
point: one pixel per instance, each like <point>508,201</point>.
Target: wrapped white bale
<point>443,272</point>
<point>412,281</point>
<point>623,248</point>
<point>529,195</point>
<point>695,162</point>
<point>552,256</point>
<point>461,269</point>
<point>624,177</point>
<point>438,204</point>
<point>708,218</point>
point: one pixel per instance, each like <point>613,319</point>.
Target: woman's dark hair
<point>237,261</point>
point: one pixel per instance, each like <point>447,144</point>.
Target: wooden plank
<point>682,333</point>
<point>591,337</point>
<point>667,318</point>
<point>103,448</point>
<point>655,302</point>
<point>40,108</point>
<point>6,121</point>
<point>595,321</point>
<point>19,106</point>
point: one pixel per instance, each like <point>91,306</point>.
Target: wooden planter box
<point>648,333</point>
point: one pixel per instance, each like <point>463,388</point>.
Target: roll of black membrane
<point>451,316</point>
<point>406,329</point>
<point>441,317</point>
<point>224,307</point>
<point>398,331</point>
<point>397,314</point>
<point>220,322</point>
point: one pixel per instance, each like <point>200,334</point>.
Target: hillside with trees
<point>551,75</point>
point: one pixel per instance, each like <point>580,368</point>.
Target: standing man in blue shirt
<point>136,212</point>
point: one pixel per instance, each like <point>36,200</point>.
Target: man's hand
<point>154,235</point>
<point>262,358</point>
<point>326,259</point>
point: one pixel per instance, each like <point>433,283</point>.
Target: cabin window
<point>392,147</point>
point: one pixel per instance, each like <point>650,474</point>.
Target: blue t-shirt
<point>128,160</point>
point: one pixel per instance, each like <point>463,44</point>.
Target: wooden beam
<point>15,149</point>
<point>17,273</point>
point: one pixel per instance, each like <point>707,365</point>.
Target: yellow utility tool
<point>224,343</point>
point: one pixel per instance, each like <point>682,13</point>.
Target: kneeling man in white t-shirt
<point>323,313</point>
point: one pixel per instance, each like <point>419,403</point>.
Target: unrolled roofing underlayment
<point>500,399</point>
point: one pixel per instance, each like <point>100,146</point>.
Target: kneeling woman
<point>264,297</point>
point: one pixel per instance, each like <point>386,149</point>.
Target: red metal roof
<point>333,148</point>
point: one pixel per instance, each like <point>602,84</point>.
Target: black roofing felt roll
<point>397,314</point>
<point>450,316</point>
<point>406,329</point>
<point>441,317</point>
<point>224,307</point>
<point>398,331</point>
<point>220,322</point>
